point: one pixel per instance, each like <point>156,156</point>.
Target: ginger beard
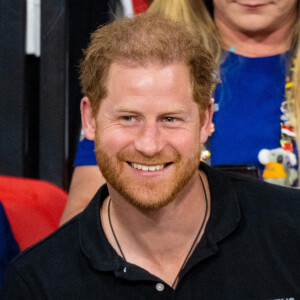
<point>146,193</point>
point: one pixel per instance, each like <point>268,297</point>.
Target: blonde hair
<point>199,14</point>
<point>293,96</point>
<point>141,40</point>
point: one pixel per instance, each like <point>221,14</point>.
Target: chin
<point>148,198</point>
<point>255,26</point>
<point>148,206</point>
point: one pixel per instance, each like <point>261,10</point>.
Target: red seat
<point>33,208</point>
<point>140,6</point>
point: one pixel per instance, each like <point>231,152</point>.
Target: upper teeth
<point>147,168</point>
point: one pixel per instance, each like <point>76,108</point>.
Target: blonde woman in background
<point>256,43</point>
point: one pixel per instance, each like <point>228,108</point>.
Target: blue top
<point>247,108</point>
<point>247,111</point>
<point>85,155</point>
<point>8,246</point>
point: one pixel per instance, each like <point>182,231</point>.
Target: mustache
<point>162,157</point>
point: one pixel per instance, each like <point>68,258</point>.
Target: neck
<point>256,44</point>
<point>158,241</point>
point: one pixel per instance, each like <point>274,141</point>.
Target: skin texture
<point>149,118</point>
<point>255,27</point>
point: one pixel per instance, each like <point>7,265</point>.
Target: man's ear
<point>207,123</point>
<point>88,120</point>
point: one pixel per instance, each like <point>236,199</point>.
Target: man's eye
<point>127,118</point>
<point>169,119</point>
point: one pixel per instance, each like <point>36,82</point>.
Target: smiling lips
<point>148,168</point>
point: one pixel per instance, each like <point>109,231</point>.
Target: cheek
<point>220,5</point>
<point>112,140</point>
<point>288,8</point>
<point>186,143</point>
<point>228,13</point>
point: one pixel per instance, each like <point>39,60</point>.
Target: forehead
<point>150,78</point>
<point>153,87</point>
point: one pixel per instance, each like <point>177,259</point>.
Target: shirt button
<point>160,287</point>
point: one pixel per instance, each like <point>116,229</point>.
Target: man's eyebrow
<point>126,110</point>
<point>176,111</point>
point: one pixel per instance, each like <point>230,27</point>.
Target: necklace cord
<point>112,230</point>
<point>194,242</point>
<point>198,234</point>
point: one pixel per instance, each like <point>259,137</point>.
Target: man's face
<point>253,16</point>
<point>148,133</point>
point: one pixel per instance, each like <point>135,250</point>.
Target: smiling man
<point>147,132</point>
<point>258,41</point>
<point>161,228</point>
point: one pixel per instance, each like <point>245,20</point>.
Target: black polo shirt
<point>250,250</point>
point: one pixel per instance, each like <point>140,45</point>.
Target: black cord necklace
<point>194,242</point>
<point>112,230</point>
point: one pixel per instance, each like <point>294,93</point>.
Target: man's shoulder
<point>261,189</point>
<point>266,202</point>
<point>257,193</point>
<point>264,211</point>
<point>51,250</point>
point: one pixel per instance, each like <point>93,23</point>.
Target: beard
<point>147,193</point>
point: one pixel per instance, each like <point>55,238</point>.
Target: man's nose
<point>149,141</point>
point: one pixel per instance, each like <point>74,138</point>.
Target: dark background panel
<point>84,18</point>
<point>53,128</point>
<point>32,97</point>
<point>40,96</point>
<point>12,96</point>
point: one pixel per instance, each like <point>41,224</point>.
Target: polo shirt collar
<point>225,212</point>
<point>223,220</point>
<point>93,241</point>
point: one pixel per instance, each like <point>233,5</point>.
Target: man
<point>258,40</point>
<point>161,228</point>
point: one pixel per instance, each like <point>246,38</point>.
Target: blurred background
<point>41,44</point>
